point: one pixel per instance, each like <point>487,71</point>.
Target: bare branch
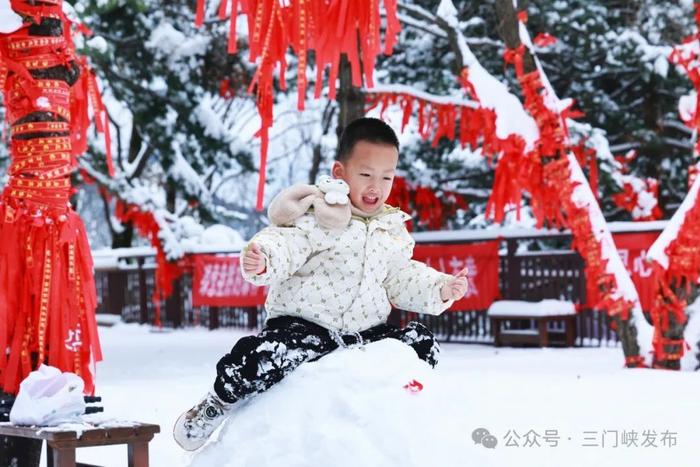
<point>433,98</point>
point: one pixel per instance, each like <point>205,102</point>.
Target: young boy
<point>330,288</point>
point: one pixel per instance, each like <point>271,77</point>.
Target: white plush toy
<point>335,190</point>
<point>329,199</point>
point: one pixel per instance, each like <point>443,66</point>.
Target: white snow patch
<point>210,120</point>
<point>9,20</point>
<point>687,106</point>
<point>43,102</point>
<point>222,235</point>
<point>98,43</point>
<point>522,308</point>
<point>174,44</point>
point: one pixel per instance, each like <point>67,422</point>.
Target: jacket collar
<point>389,217</point>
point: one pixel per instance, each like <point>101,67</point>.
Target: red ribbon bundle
<point>587,157</point>
<point>557,186</point>
<point>686,56</point>
<point>166,271</point>
<point>329,28</point>
<point>475,127</point>
<point>47,292</point>
<point>683,251</point>
<point>432,210</point>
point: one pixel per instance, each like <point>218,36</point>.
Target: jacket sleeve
<point>413,286</point>
<point>285,250</point>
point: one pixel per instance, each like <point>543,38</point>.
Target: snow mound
<point>349,408</point>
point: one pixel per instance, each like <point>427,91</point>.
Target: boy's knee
<point>242,356</point>
<point>416,332</point>
<point>242,348</point>
<point>423,342</point>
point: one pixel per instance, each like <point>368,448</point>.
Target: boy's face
<point>369,171</point>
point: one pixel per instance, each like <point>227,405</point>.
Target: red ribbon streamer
<point>47,291</point>
<point>329,28</point>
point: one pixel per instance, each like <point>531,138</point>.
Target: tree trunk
<point>351,100</point>
<point>508,28</point>
<point>671,352</point>
<point>328,114</point>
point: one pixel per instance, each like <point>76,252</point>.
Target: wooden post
<point>570,326</point>
<point>143,296</point>
<point>116,289</point>
<point>512,286</point>
<point>173,305</point>
<point>496,329</point>
<point>213,317</point>
<point>138,454</point>
<point>253,317</point>
<point>542,328</point>
<point>60,457</point>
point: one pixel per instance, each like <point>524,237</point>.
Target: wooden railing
<point>126,288</point>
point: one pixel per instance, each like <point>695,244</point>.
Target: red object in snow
<point>413,386</point>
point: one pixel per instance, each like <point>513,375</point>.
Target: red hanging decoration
<point>682,251</point>
<point>167,272</point>
<point>587,157</point>
<point>557,187</point>
<point>432,210</point>
<point>47,291</point>
<point>329,28</point>
<point>544,39</point>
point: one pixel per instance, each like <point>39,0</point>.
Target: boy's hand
<point>456,287</point>
<point>253,260</point>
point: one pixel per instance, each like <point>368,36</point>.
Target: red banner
<point>633,251</point>
<point>218,282</point>
<point>481,259</point>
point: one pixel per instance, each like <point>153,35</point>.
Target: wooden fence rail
<point>555,272</point>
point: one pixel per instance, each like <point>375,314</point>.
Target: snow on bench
<point>531,309</point>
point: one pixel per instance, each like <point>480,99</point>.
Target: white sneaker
<point>194,427</point>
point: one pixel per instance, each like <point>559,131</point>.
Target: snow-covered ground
<point>350,408</point>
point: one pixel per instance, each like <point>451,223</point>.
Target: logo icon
<point>483,437</point>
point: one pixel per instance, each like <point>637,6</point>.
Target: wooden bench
<point>541,313</point>
<point>61,444</point>
<point>539,336</point>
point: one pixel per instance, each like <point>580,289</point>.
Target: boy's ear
<point>338,171</point>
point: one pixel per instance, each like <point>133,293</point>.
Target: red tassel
<point>47,296</point>
<point>199,15</point>
<point>330,28</point>
<point>232,37</point>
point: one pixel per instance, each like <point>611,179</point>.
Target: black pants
<point>258,362</point>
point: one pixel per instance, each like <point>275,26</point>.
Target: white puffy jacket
<point>347,279</point>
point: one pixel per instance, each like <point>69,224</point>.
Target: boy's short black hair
<point>373,130</point>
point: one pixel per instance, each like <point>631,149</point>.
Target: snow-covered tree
<point>177,109</point>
